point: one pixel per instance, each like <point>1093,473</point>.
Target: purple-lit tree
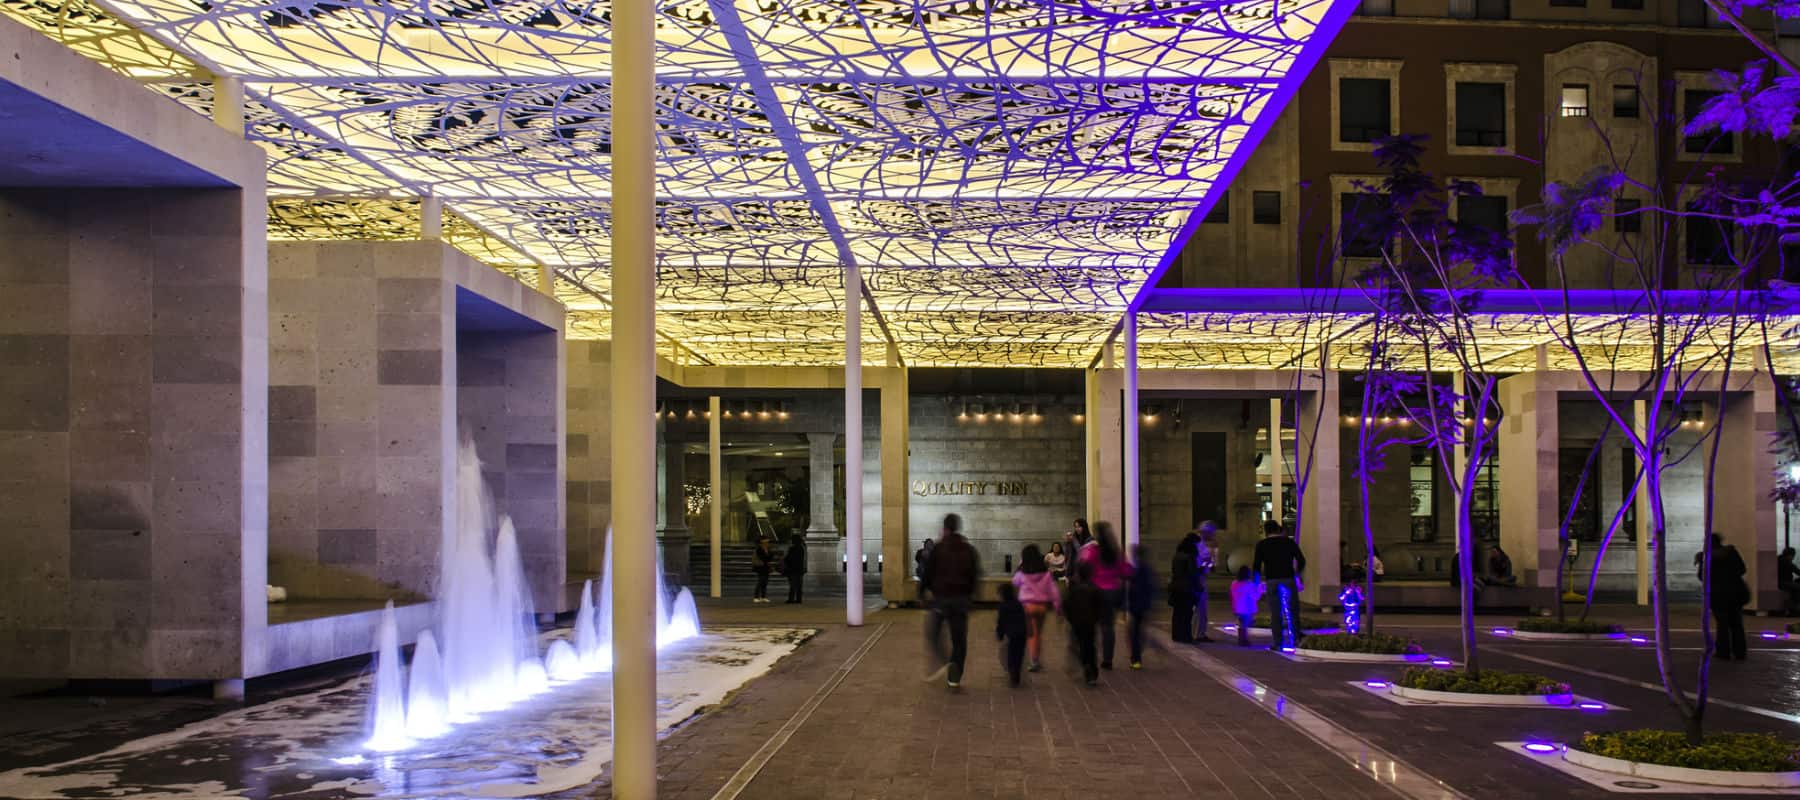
<point>1425,275</point>
<point>1694,318</point>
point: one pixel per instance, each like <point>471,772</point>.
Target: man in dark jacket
<point>1727,594</point>
<point>1278,565</point>
<point>1184,582</point>
<point>949,578</point>
<point>793,565</point>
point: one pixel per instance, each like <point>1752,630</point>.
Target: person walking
<point>1183,584</point>
<point>1057,561</point>
<point>1037,592</point>
<point>1787,579</point>
<point>951,573</point>
<point>793,565</point>
<point>1012,630</point>
<point>920,556</point>
<point>1246,593</point>
<point>1081,536</point>
<point>1727,594</point>
<point>1083,606</point>
<point>1140,595</point>
<point>762,561</point>
<point>1109,570</point>
<point>1278,564</point>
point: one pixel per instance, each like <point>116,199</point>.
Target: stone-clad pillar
<point>896,500</point>
<point>672,535</point>
<point>1317,442</point>
<point>822,540</point>
<point>1530,497</point>
<point>1742,511</point>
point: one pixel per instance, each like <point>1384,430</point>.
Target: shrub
<point>1737,752</point>
<point>1793,627</point>
<point>1488,681</point>
<point>1547,625</point>
<point>1380,643</point>
<point>1306,623</point>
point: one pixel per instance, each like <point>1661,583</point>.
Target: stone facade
<point>588,489</point>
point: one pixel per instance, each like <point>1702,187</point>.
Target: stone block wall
<point>507,402</point>
<point>588,487</point>
<point>360,415</point>
<point>130,356</point>
<point>1166,476</point>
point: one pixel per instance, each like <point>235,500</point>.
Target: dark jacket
<point>761,561</point>
<point>1141,593</point>
<point>1278,558</point>
<point>794,563</point>
<point>1011,621</point>
<point>1728,570</point>
<point>952,569</point>
<point>1184,579</point>
<point>1082,604</point>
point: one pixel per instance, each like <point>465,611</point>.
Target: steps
<point>737,577</point>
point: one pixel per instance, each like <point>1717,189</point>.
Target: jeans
<point>1015,658</point>
<point>1134,633</point>
<point>1035,613</point>
<point>1284,616</point>
<point>762,585</point>
<point>1111,601</point>
<point>954,613</point>
<point>1244,622</point>
<point>1730,641</point>
<point>1200,619</point>
<point>1181,621</point>
<point>794,582</point>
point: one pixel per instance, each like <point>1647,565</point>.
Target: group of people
<point>1088,580</point>
<point>791,563</point>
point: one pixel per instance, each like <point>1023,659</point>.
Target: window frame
<point>1637,101</point>
<point>1256,207</point>
<point>1342,68</point>
<point>1687,83</point>
<point>1504,74</point>
<point>1220,213</point>
<point>1627,220</point>
<point>1587,101</point>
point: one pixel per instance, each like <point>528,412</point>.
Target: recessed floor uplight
<point>1376,684</point>
<point>1502,631</point>
<point>1591,706</point>
<point>1540,747</point>
<point>1440,662</point>
<point>1639,640</point>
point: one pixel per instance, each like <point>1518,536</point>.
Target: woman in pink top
<point>1038,593</point>
<point>1110,570</point>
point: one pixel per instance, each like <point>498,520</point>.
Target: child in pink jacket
<point>1246,594</point>
<point>1039,594</point>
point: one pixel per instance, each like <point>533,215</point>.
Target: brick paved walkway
<point>1167,731</point>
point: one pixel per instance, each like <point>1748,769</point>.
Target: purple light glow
<point>1769,635</point>
<point>1541,747</point>
<point>1591,706</point>
<point>1638,640</point>
<point>1441,662</point>
<point>1287,649</point>
<point>1502,631</point>
<point>1376,684</point>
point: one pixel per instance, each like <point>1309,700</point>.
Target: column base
<point>673,542</point>
<point>229,689</point>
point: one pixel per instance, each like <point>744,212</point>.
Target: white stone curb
<point>1707,777</point>
<point>1473,699</point>
<point>1541,636</point>
<point>1362,658</point>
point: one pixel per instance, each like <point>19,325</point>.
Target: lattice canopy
<point>1006,172</point>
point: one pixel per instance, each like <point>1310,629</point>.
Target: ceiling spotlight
<point>1079,418</point>
<point>782,410</point>
<point>964,413</point>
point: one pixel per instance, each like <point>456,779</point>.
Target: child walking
<point>1138,599</point>
<point>1012,630</point>
<point>1246,593</point>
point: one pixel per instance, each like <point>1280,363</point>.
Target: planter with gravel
<point>1490,687</point>
<point>1361,647</point>
<point>1739,760</point>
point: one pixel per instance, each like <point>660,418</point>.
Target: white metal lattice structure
<point>1007,173</point>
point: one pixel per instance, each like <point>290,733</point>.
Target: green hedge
<point>1737,752</point>
<point>1306,623</point>
<point>1549,625</point>
<point>1793,627</point>
<point>1488,681</point>
<point>1379,643</point>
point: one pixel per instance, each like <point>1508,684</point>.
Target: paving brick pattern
<point>1167,731</point>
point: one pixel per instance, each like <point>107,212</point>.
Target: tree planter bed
<point>1474,699</point>
<point>1538,636</point>
<point>1658,772</point>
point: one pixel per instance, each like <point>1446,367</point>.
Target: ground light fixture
<point>1591,706</point>
<point>1542,748</point>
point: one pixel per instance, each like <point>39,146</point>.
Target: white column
<point>633,204</point>
<point>853,433</point>
<point>1277,473</point>
<point>1132,420</point>
<point>431,218</point>
<point>1639,423</point>
<point>716,515</point>
<point>228,104</point>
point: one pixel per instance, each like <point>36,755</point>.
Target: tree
<point>1425,277</point>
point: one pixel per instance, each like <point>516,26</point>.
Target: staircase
<point>734,570</point>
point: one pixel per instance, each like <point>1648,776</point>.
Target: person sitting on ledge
<point>1500,568</point>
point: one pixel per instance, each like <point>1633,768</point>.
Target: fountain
<point>488,656</point>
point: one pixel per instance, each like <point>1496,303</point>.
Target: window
<point>1376,8</point>
<point>1625,101</point>
<point>1713,142</point>
<point>1569,3</point>
<point>1265,208</point>
<point>1707,241</point>
<point>1696,14</point>
<point>1482,211</point>
<point>1574,100</point>
<point>1480,9</point>
<point>1626,216</point>
<point>1423,472</point>
<point>1628,5</point>
<point>1220,213</point>
<point>1364,109</point>
<point>1481,114</point>
<point>1362,232</point>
